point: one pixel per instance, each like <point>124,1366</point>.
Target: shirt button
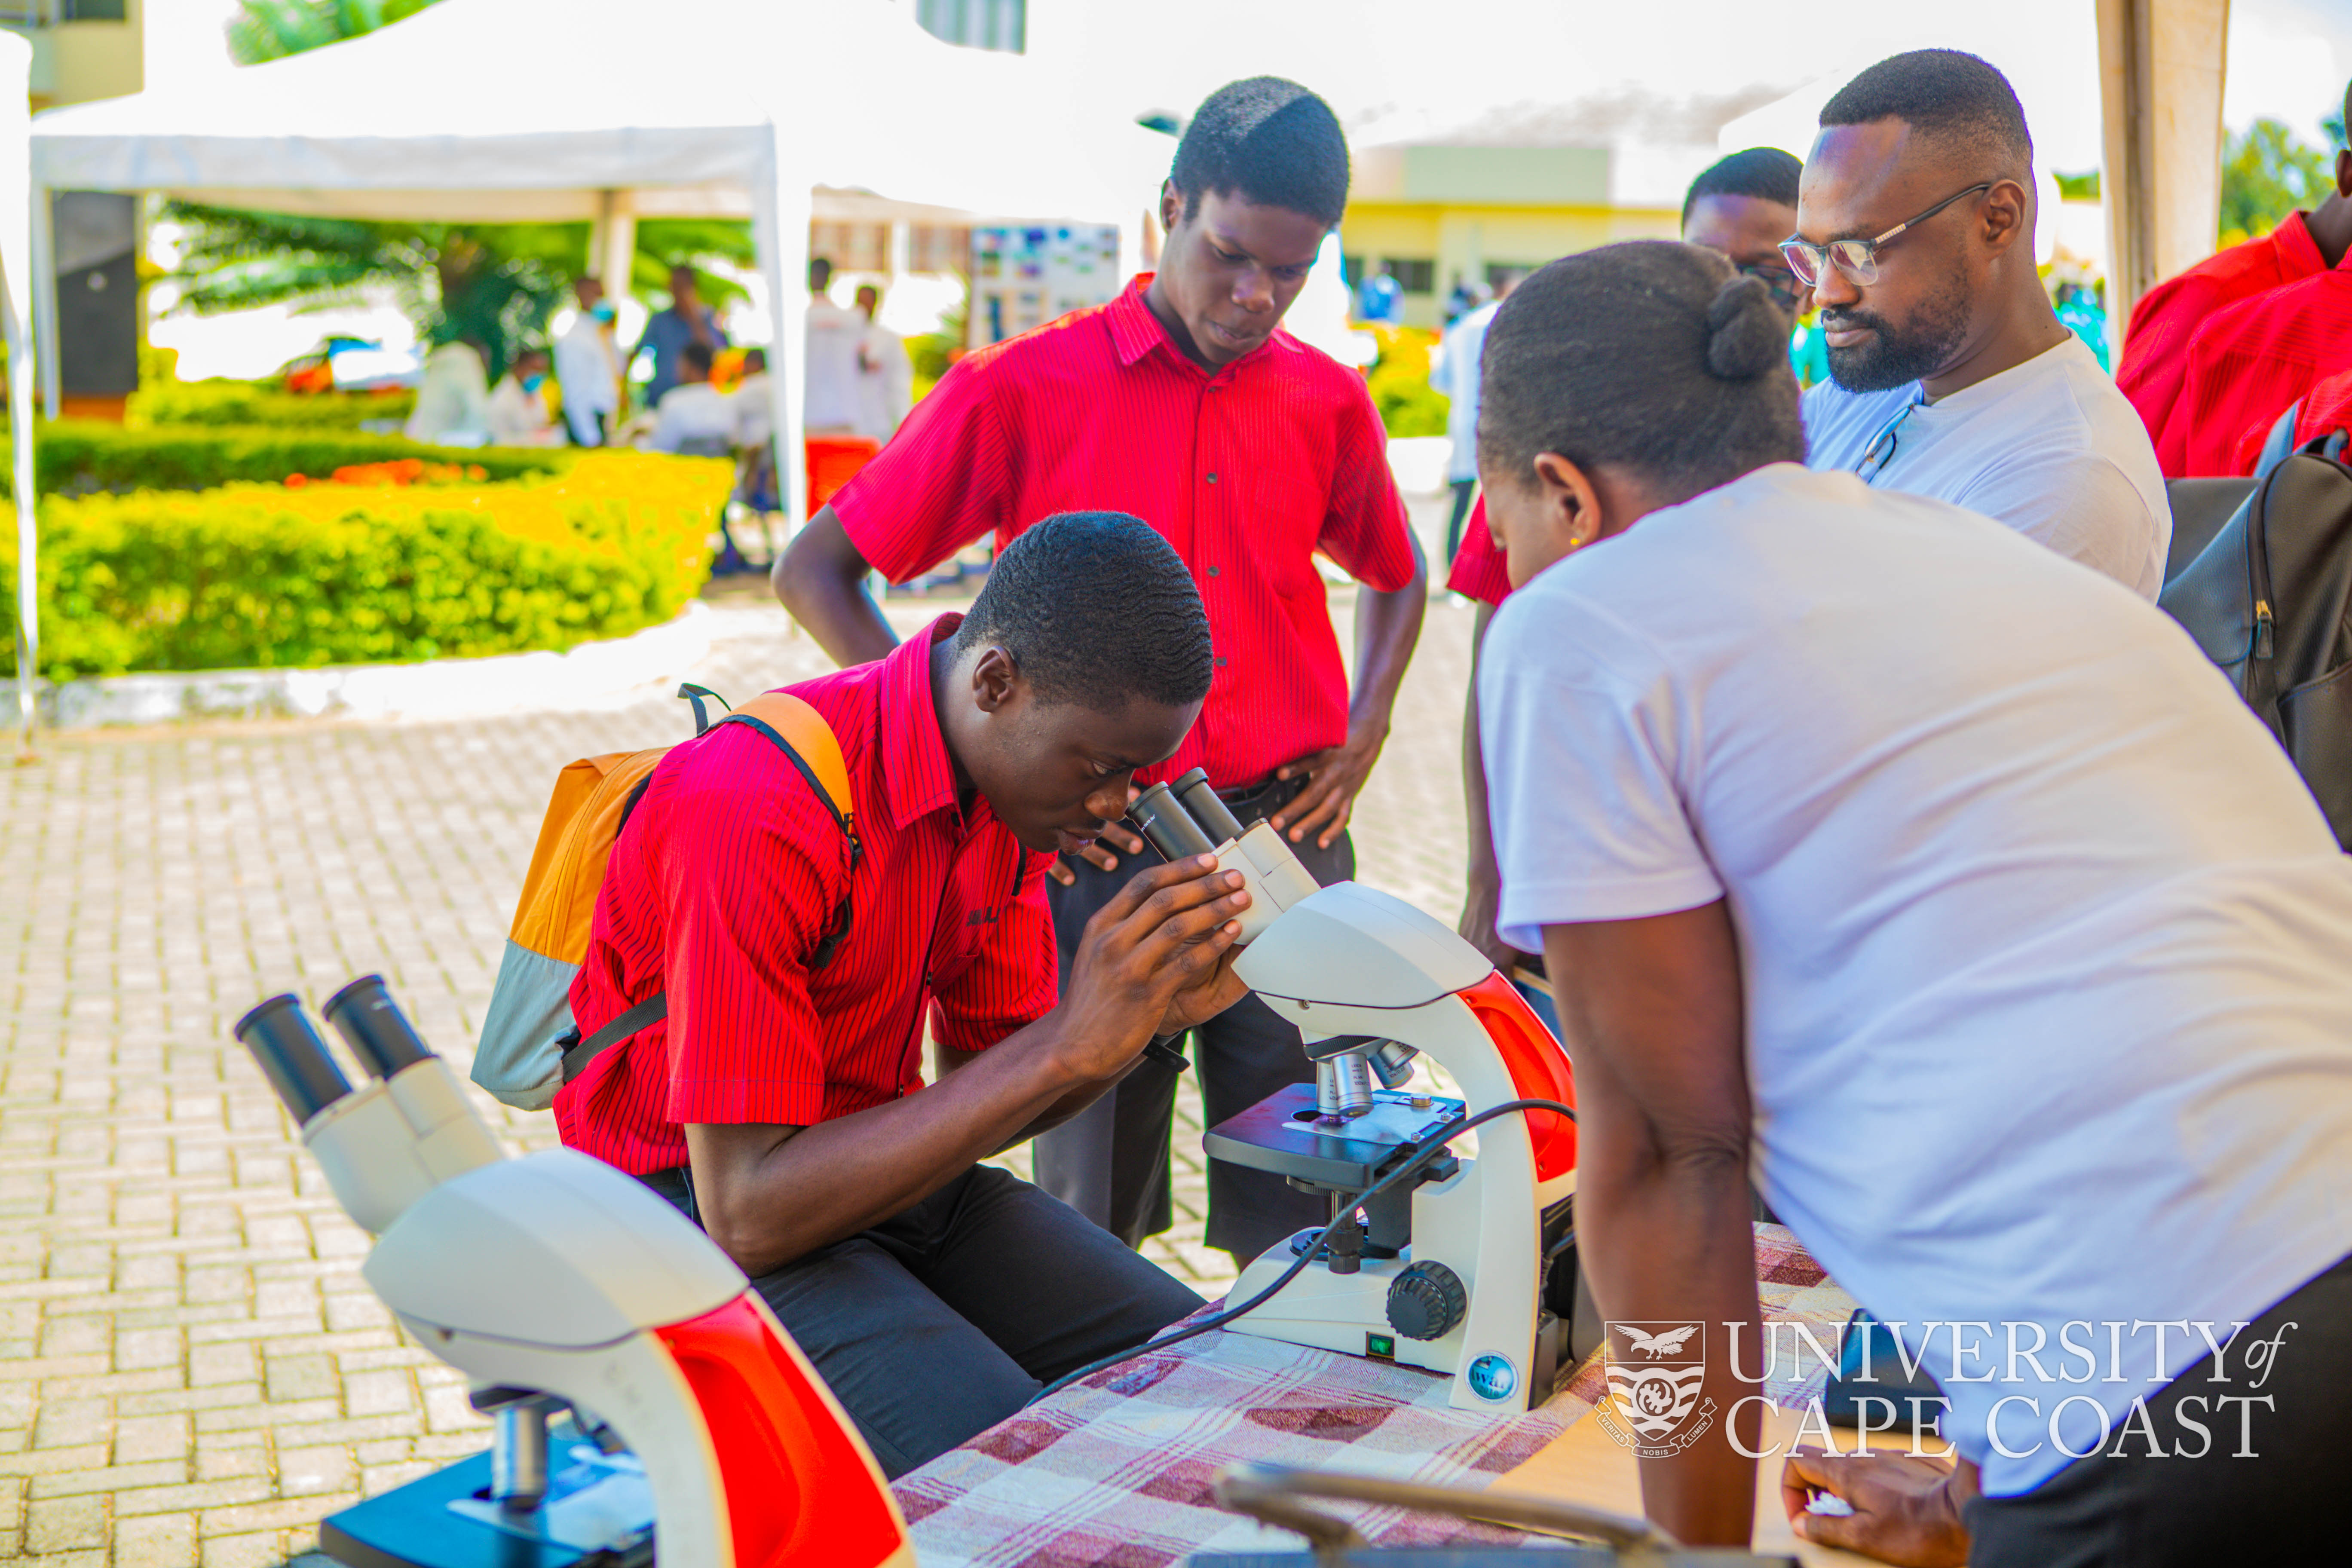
<point>1212,571</point>
<point>1221,661</point>
<point>1213,479</point>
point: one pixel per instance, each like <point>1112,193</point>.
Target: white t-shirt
<point>835,402</point>
<point>695,418</point>
<point>886,381</point>
<point>2049,448</point>
<point>2047,951</point>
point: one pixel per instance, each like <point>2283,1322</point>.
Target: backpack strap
<point>808,742</point>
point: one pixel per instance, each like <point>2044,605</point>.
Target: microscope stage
<point>1284,1134</point>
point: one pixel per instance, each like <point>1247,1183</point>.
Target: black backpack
<point>2270,601</point>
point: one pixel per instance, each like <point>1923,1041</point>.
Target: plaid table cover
<point>1116,1470</point>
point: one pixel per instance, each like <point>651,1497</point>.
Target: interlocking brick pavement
<point>192,1371</point>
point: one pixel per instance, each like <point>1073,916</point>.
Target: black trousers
<point>1463,491</point>
<point>2261,1483</point>
<point>1110,1163</point>
<point>940,1322</point>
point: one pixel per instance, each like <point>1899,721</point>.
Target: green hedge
<point>220,402</point>
<point>262,576</point>
<point>77,457</point>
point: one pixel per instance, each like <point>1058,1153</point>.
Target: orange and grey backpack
<point>530,1046</point>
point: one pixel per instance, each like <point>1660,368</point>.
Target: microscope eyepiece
<point>371,1024</point>
<point>292,1057</point>
<point>1160,817</point>
<point>1217,818</point>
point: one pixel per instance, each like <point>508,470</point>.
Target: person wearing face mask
<point>519,415</point>
<point>587,372</point>
<point>1183,403</point>
<point>1950,375</point>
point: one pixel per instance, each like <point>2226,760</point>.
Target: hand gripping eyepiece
<point>1178,825</point>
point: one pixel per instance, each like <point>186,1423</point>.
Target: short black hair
<point>1271,140</point>
<point>1651,356</point>
<point>699,356</point>
<point>820,274</point>
<point>1096,609</point>
<point>1767,173</point>
<point>754,361</point>
<point>1946,95</point>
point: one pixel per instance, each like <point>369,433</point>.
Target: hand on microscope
<point>1156,960</point>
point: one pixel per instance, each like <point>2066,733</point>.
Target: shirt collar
<point>1135,332</point>
<point>918,778</point>
<point>2299,250</point>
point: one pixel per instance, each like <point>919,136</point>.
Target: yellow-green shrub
<point>261,575</point>
<point>76,457</point>
<point>222,402</point>
<point>1399,382</point>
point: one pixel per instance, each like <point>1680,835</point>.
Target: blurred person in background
<point>1184,401</point>
<point>1378,301</point>
<point>453,400</point>
<point>886,377</point>
<point>695,419</point>
<point>686,320</point>
<point>587,369</point>
<point>518,411</point>
<point>1453,370</point>
<point>836,335</point>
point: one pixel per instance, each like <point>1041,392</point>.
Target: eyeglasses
<point>1857,259</point>
<point>1881,451</point>
<point>1780,282</point>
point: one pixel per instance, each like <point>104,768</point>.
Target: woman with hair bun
<point>1940,883</point>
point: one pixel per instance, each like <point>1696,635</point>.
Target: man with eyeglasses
<point>1950,374</point>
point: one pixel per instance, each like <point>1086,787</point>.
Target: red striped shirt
<point>1481,571</point>
<point>727,876</point>
<point>2248,362</point>
<point>1247,472</point>
<point>2168,317</point>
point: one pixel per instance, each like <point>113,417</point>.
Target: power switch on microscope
<point>1426,1300</point>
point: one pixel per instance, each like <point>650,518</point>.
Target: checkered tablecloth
<point>1116,1470</point>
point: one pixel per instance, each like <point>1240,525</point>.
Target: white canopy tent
<point>512,111</point>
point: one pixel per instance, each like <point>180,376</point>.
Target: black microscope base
<point>413,1527</point>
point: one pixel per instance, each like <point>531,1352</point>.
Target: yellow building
<point>82,50</point>
<point>1439,214</point>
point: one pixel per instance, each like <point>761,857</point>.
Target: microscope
<point>1466,1269</point>
<point>691,1423</point>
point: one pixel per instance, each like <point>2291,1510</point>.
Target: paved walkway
<point>192,1371</point>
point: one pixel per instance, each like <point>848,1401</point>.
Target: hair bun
<point>1745,333</point>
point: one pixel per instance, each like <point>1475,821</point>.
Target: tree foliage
<point>272,29</point>
<point>2266,174</point>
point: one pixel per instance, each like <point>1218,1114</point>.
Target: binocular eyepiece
<point>295,1060</point>
<point>1184,817</point>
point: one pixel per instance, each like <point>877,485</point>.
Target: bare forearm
<point>828,1181</point>
<point>1473,761</point>
<point>1387,626</point>
<point>1668,1239</point>
<point>821,579</point>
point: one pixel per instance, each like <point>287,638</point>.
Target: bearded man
<point>1950,373</point>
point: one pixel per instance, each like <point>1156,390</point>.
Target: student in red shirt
<point>1183,403</point>
<point>2169,316</point>
<point>781,1104</point>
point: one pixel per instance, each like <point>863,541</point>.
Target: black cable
<point>1422,1154</point>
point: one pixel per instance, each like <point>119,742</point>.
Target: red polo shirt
<point>727,876</point>
<point>2156,348</point>
<point>1481,571</point>
<point>1248,473</point>
<point>2249,361</point>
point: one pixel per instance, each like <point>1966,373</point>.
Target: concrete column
<point>2161,66</point>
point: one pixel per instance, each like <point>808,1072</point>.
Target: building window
<point>980,24</point>
<point>1415,276</point>
<point>93,10</point>
<point>939,248</point>
<point>1498,270</point>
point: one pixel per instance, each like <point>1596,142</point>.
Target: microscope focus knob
<point>1426,1300</point>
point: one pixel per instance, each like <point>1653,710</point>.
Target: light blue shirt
<point>1453,370</point>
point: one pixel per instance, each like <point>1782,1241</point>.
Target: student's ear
<point>995,681</point>
<point>1172,207</point>
<point>1570,501</point>
<point>2344,173</point>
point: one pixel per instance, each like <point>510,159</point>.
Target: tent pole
<point>45,301</point>
<point>780,229</point>
<point>28,535</point>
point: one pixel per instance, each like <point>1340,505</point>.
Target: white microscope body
<point>1450,1277</point>
<point>554,1280</point>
